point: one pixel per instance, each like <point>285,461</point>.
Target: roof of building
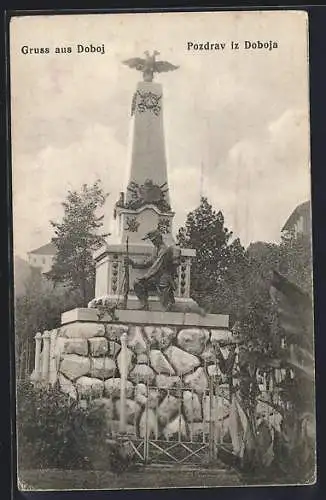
<point>301,210</point>
<point>48,249</point>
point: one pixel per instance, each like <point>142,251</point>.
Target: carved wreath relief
<point>131,224</point>
<point>146,101</point>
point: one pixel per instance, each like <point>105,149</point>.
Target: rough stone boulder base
<point>144,395</point>
<point>113,348</point>
<point>182,361</point>
<point>141,393</point>
<point>221,336</point>
<point>193,340</point>
<point>192,406</point>
<point>74,366</point>
<point>148,424</point>
<point>136,340</point>
<point>114,332</point>
<point>82,330</point>
<point>168,409</point>
<point>220,409</point>
<point>197,380</point>
<point>166,382</point>
<point>98,346</point>
<point>142,373</point>
<point>128,356</point>
<point>159,363</point>
<point>153,398</point>
<point>67,386</point>
<point>76,346</point>
<point>159,337</point>
<point>88,387</point>
<point>112,388</point>
<point>102,368</point>
<point>175,428</point>
<point>132,410</point>
<point>208,355</point>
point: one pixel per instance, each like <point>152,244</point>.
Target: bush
<point>54,431</point>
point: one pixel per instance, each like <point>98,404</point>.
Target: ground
<point>145,477</point>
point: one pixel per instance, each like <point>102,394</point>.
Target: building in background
<point>299,222</point>
<point>42,257</point>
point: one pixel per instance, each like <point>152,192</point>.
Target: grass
<point>142,477</point>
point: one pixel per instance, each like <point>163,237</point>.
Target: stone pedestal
<point>136,365</point>
<point>110,274</point>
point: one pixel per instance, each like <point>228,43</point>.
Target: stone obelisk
<point>145,203</point>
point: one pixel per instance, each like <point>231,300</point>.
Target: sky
<point>238,118</point>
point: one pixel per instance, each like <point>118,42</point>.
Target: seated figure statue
<point>161,273</point>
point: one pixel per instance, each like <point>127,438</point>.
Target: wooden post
<point>211,419</point>
<point>123,384</point>
<point>53,362</point>
<point>46,356</point>
<point>37,365</point>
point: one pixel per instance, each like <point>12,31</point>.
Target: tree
<point>36,310</point>
<point>214,275</point>
<point>76,238</point>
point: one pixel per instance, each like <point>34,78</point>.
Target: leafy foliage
<point>76,238</point>
<point>39,309</point>
<point>218,258</point>
<point>55,431</point>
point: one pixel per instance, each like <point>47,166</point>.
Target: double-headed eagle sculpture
<point>149,66</point>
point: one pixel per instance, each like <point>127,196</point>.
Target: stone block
<point>132,410</point>
<point>159,337</point>
<point>142,359</point>
<point>74,366</point>
<point>141,393</point>
<point>67,386</point>
<point>220,409</point>
<point>89,388</point>
<point>148,424</point>
<point>76,346</point>
<point>114,332</point>
<point>98,346</point>
<point>193,340</point>
<point>159,363</point>
<point>168,409</point>
<point>192,408</point>
<point>183,362</point>
<point>197,380</point>
<point>208,355</point>
<point>102,368</point>
<point>175,428</point>
<point>142,373</point>
<point>112,388</point>
<point>82,330</point>
<point>222,337</point>
<point>167,382</point>
<point>136,340</point>
<point>129,360</point>
<point>113,348</point>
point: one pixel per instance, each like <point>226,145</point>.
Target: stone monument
<point>127,359</point>
<point>145,206</point>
